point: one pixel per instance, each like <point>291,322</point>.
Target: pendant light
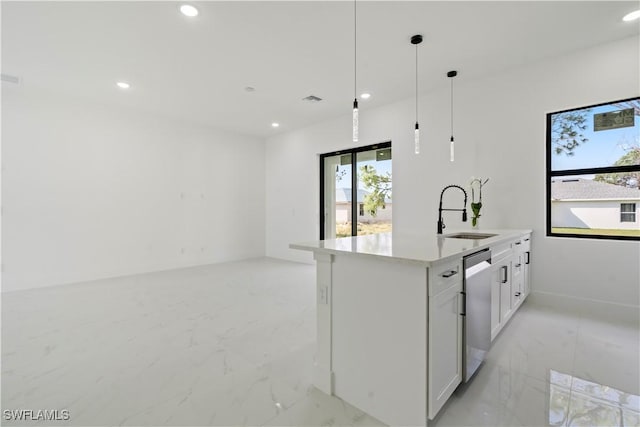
<point>355,73</point>
<point>416,40</point>
<point>451,75</point>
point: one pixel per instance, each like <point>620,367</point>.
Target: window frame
<point>631,213</point>
<point>582,171</point>
<point>354,182</point>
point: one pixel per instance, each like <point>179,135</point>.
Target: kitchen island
<point>389,316</point>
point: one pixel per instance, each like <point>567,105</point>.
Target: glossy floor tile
<point>233,344</point>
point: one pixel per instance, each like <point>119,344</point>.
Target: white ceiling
<point>197,69</point>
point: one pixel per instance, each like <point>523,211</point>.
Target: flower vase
<point>475,218</point>
<point>475,223</point>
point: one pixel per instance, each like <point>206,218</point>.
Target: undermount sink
<point>473,236</point>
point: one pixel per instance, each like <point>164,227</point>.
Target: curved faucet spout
<point>441,225</point>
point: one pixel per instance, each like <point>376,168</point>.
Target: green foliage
<point>566,131</point>
<point>475,208</point>
<point>379,186</point>
<point>632,157</point>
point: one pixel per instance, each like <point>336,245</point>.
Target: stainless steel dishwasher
<point>477,311</point>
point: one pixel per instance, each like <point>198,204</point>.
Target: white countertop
<point>409,248</point>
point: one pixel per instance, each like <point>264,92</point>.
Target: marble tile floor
<point>233,343</point>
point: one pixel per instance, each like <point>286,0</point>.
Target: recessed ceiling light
<point>123,85</point>
<point>275,125</point>
<point>365,95</point>
<point>188,10</point>
<point>631,16</point>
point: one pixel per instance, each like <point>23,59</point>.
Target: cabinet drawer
<point>442,276</point>
<point>526,243</point>
<point>517,244</point>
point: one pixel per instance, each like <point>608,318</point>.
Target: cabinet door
<point>495,300</point>
<point>445,347</point>
<point>526,273</point>
<point>517,286</point>
<point>504,274</point>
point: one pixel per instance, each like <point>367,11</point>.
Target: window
<point>593,170</point>
<point>355,191</point>
<point>627,212</point>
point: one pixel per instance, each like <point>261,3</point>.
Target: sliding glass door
<point>356,191</point>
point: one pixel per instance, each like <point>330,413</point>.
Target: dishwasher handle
<point>477,258</point>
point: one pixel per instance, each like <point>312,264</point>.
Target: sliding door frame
<point>354,182</point>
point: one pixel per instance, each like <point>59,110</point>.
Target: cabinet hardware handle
<point>518,265</point>
<point>464,303</point>
<point>526,240</point>
<point>528,255</point>
<point>517,294</point>
<point>449,273</point>
<point>504,269</point>
<point>518,242</point>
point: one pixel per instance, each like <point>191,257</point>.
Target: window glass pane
<point>337,196</point>
<point>602,136</point>
<point>374,191</point>
<point>628,212</point>
<point>364,197</point>
<point>626,179</point>
<point>628,207</point>
<point>582,205</point>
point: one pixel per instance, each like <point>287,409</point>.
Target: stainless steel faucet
<point>441,225</point>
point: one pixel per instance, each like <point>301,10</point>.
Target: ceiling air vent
<point>9,78</point>
<point>312,98</point>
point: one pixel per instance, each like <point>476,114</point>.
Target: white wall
<point>592,214</point>
<point>92,192</point>
<point>500,133</point>
<point>292,168</point>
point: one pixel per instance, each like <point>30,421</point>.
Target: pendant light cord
<point>355,50</point>
<point>452,107</point>
<point>416,83</point>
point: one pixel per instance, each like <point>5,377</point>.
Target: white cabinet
<point>502,302</point>
<point>496,323</point>
<point>504,279</point>
<point>445,346</point>
<point>510,283</point>
<point>517,280</point>
<point>526,262</point>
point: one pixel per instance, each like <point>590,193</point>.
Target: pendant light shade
<point>355,121</point>
<point>451,75</point>
<point>416,40</point>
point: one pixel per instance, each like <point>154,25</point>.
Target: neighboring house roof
<point>343,195</point>
<point>586,189</point>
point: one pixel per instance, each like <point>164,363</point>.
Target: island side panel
<point>322,373</point>
<point>379,338</point>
